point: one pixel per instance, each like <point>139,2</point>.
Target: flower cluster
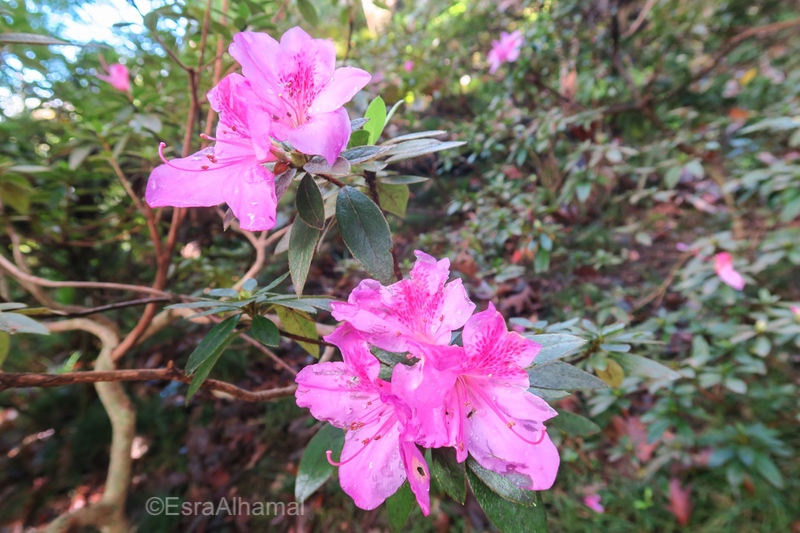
<point>472,397</point>
<point>289,96</point>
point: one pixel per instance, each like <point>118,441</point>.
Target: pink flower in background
<point>408,66</point>
<point>117,75</point>
<point>723,266</point>
<point>378,454</point>
<point>505,50</point>
<point>795,309</point>
<point>679,503</point>
<point>424,308</point>
<point>486,408</point>
<point>301,89</point>
<point>592,501</point>
<point>231,171</point>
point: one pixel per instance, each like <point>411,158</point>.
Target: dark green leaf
<point>769,471</point>
<point>562,376</point>
<point>642,366</point>
<point>5,345</point>
<point>416,148</point>
<point>541,263</point>
<point>223,293</point>
<point>508,486</point>
<point>16,323</point>
<point>365,233</point>
<point>357,124</point>
<point>310,205</point>
<point>402,180</point>
<point>555,346</point>
<point>413,136</point>
<point>450,474</point>
<point>358,138</point>
<point>364,153</point>
<point>399,505</point>
<point>573,424</point>
<point>308,11</point>
<point>314,469</point>
<point>213,343</point>
<point>508,516</point>
<point>265,331</point>
<point>391,358</point>
<point>301,250</point>
<point>202,371</point>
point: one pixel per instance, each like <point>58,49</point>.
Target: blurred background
<point>629,143</point>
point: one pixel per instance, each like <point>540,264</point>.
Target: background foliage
<point>625,129</point>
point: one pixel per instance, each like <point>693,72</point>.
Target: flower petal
<point>494,351</point>
<point>355,352</point>
<point>332,394</point>
<point>419,476</point>
<point>251,197</point>
<point>314,57</point>
<point>506,446</point>
<point>325,134</point>
<point>375,472</point>
<point>261,58</point>
<point>341,88</point>
<point>187,184</point>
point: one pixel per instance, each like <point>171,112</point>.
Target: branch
<point>104,308</point>
<point>170,373</point>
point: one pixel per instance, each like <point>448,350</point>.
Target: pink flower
<point>117,75</point>
<point>378,454</point>
<point>795,310</point>
<point>679,503</point>
<point>231,171</point>
<point>506,49</point>
<point>422,309</point>
<point>408,66</point>
<point>723,266</point>
<point>592,501</point>
<point>301,88</point>
<point>479,396</point>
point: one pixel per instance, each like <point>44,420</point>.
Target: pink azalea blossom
<point>301,88</point>
<point>505,50</point>
<point>795,310</point>
<point>231,171</point>
<point>378,453</point>
<point>479,393</point>
<point>424,308</point>
<point>117,75</point>
<point>408,66</point>
<point>723,266</point>
<point>592,501</point>
<point>679,503</point>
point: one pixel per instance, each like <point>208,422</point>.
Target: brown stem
<point>331,179</point>
<point>26,380</point>
<point>109,307</point>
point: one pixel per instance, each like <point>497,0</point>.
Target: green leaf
<point>507,486</point>
<point>13,323</point>
<point>5,346</point>
<point>213,344</point>
<point>451,475</point>
<point>641,366</point>
<point>399,505</point>
<point>769,471</point>
<point>223,293</point>
<point>319,165</point>
<point>573,424</point>
<point>365,233</point>
<point>299,323</point>
<point>358,138</point>
<point>402,180</point>
<point>612,374</point>
<point>393,358</point>
<point>79,155</point>
<point>31,39</point>
<point>308,11</point>
<point>413,136</point>
<point>202,371</point>
<point>508,516</point>
<point>542,261</point>
<point>376,113</point>
<point>394,198</point>
<point>314,469</point>
<point>310,205</point>
<point>361,154</point>
<point>555,346</point>
<point>302,243</point>
<point>673,177</point>
<point>562,376</point>
<point>418,147</point>
<point>265,331</point>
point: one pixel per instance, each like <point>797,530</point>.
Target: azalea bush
<point>339,255</point>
